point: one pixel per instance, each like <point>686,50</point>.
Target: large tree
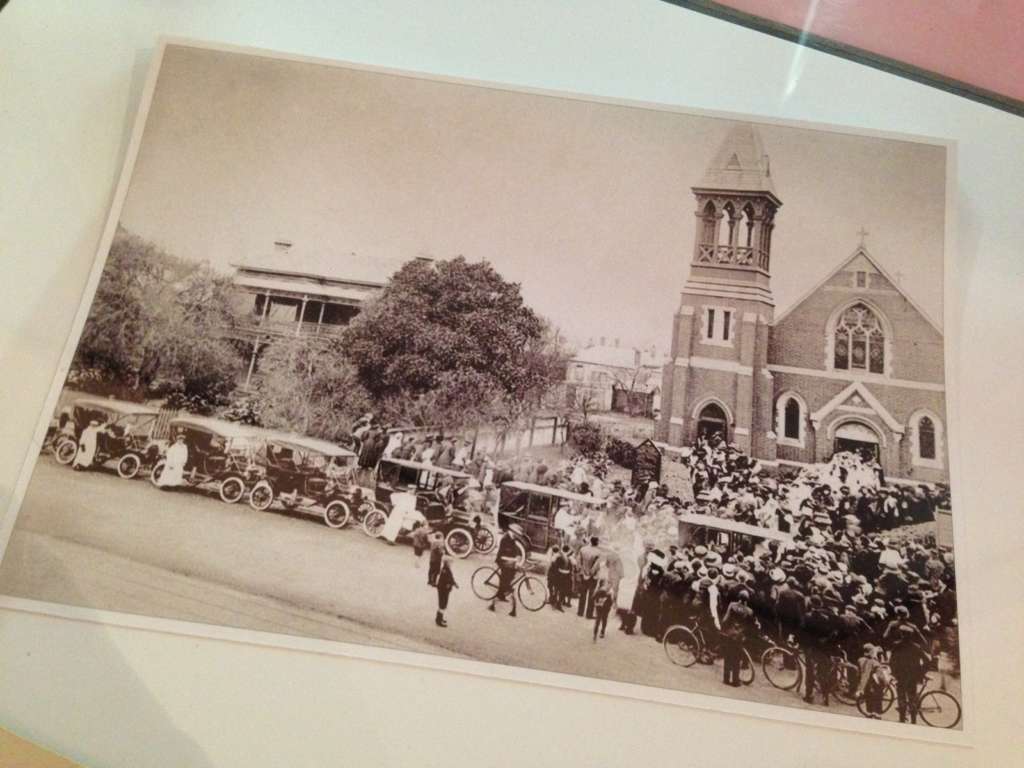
<point>307,385</point>
<point>156,325</point>
<point>450,343</point>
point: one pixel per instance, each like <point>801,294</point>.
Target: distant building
<point>853,365</point>
<point>288,292</point>
<point>614,378</point>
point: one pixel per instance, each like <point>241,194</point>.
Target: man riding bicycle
<point>510,548</point>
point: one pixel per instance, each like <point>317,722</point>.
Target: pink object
<point>978,42</point>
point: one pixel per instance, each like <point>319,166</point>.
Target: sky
<point>587,205</point>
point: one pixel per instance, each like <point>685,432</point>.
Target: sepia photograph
<point>615,391</point>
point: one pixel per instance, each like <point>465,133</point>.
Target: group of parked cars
<point>268,467</point>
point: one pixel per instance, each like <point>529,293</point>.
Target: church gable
<point>860,273</point>
<point>882,332</point>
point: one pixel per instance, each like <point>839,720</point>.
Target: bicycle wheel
<point>681,646</point>
<point>746,668</point>
<point>782,668</point>
<point>939,709</point>
<point>533,595</point>
<point>845,681</point>
<point>884,705</point>
<point>484,582</point>
<point>888,697</point>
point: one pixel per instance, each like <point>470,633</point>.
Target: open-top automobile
<point>306,473</point>
<point>221,456</point>
<point>441,499</point>
<point>125,436</point>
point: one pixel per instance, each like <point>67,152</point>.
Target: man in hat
<point>790,609</point>
<point>590,557</point>
<point>851,631</point>
<point>560,577</point>
<point>909,662</point>
<point>510,549</point>
<point>818,640</point>
<point>729,585</point>
<point>737,625</point>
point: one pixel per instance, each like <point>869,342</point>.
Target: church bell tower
<point>717,378</point>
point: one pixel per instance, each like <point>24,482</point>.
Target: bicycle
<point>937,708</point>
<point>531,591</point>
<point>785,668</point>
<point>685,646</point>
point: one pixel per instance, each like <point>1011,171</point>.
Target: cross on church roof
<point>863,234</point>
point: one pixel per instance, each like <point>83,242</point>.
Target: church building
<point>853,364</point>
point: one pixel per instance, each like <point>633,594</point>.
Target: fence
<point>162,428</point>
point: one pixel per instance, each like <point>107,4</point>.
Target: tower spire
<point>740,164</point>
<point>736,205</point>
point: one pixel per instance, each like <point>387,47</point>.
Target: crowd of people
<point>846,574</point>
<point>850,578</point>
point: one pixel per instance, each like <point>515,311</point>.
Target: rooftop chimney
<point>602,341</point>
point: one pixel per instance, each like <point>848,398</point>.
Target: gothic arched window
<point>926,438</point>
<point>859,341</point>
<point>791,420</point>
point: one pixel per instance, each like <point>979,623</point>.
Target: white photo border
<point>961,737</point>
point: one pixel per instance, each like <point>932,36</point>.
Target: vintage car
<point>734,536</point>
<point>125,437</point>
<point>439,498</point>
<point>534,507</point>
<point>306,473</point>
<point>221,455</point>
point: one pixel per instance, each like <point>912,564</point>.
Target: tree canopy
<point>156,326</point>
<point>453,341</point>
<point>309,386</point>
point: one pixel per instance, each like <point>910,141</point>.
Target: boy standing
<point>445,584</point>
<point>436,556</point>
<point>602,607</point>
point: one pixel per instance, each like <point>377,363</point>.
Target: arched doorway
<point>712,420</point>
<point>856,437</point>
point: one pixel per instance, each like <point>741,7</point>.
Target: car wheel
<point>483,540</point>
<point>128,466</point>
<point>373,523</point>
<point>156,472</point>
<point>232,489</point>
<point>337,514</point>
<point>66,451</point>
<point>458,543</point>
<point>261,496</point>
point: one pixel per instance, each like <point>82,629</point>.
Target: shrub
<point>622,453</point>
<point>587,438</point>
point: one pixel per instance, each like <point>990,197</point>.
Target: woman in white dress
<point>86,453</point>
<point>173,473</point>
<point>403,514</point>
